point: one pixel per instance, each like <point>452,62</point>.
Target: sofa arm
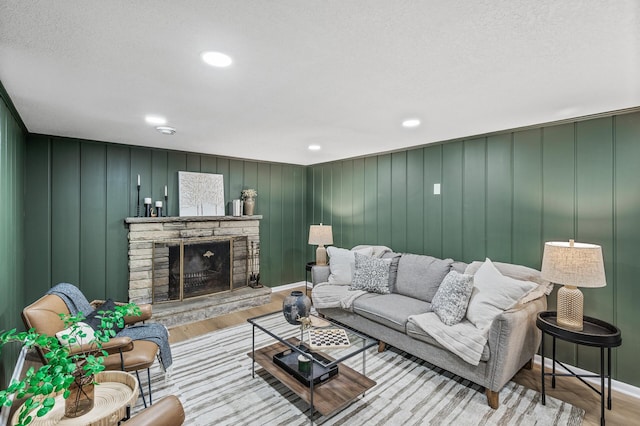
<point>513,341</point>
<point>320,274</point>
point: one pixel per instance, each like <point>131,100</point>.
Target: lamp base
<point>321,255</point>
<point>570,307</point>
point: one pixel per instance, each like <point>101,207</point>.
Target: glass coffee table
<point>314,371</point>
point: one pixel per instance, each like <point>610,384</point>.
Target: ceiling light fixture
<point>166,130</point>
<point>216,59</point>
<point>314,147</point>
<point>411,122</point>
<point>156,120</point>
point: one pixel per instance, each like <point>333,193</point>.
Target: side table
<point>115,394</point>
<point>306,273</point>
<point>596,333</point>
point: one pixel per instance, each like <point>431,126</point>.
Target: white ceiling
<point>342,74</point>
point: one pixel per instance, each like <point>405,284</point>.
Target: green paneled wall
<point>502,197</point>
<point>80,191</point>
<point>12,142</point>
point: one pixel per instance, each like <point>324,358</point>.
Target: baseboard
<point>287,287</point>
<point>617,386</point>
<point>17,371</point>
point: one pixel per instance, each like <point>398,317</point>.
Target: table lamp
<point>320,235</point>
<point>573,265</point>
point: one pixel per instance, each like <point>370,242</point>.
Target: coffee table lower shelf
<point>328,397</point>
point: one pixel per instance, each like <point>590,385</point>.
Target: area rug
<point>212,377</point>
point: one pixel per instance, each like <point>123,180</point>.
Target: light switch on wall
<point>436,189</point>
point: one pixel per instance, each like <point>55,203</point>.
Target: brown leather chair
<point>166,412</point>
<point>124,354</point>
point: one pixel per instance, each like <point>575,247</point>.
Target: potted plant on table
<point>73,357</point>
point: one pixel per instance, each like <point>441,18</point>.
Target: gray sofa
<point>403,318</point>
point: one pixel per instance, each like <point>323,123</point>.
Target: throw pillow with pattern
<point>451,300</point>
<point>371,274</point>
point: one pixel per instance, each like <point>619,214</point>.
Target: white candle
<point>138,180</point>
<point>158,203</point>
<point>147,200</point>
<point>165,191</point>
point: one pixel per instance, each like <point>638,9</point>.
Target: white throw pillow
<point>83,334</point>
<point>342,263</point>
<point>492,294</point>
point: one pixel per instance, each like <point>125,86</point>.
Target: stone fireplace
<point>192,268</point>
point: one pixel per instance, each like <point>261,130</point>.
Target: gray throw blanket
<point>154,332</point>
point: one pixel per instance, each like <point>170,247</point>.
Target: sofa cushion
<point>342,263</point>
<point>391,310</point>
<point>420,276</point>
<point>371,274</point>
<point>493,293</point>
<point>451,300</point>
<point>414,331</point>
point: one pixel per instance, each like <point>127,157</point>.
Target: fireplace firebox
<point>187,269</point>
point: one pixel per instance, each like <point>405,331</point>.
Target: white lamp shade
<point>320,235</point>
<point>573,264</point>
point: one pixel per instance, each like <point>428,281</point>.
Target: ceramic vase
<point>81,397</point>
<point>249,205</point>
<point>296,305</point>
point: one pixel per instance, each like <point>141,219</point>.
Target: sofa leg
<point>493,398</point>
<point>528,365</point>
<point>382,346</point>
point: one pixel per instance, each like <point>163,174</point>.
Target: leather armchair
<point>166,412</point>
<point>125,354</point>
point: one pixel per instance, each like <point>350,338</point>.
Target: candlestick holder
<point>166,205</point>
<point>138,205</point>
<point>159,208</point>
<point>147,207</point>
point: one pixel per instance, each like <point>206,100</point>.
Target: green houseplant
<point>71,364</point>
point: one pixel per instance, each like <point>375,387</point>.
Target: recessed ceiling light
<point>216,59</point>
<point>155,120</point>
<point>166,130</point>
<point>411,122</point>
<point>314,147</point>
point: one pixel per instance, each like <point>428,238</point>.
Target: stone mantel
<point>129,220</point>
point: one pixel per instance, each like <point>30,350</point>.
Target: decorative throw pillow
<point>76,336</point>
<point>393,269</point>
<point>342,263</point>
<point>93,320</point>
<point>492,294</point>
<point>451,300</point>
<point>371,274</point>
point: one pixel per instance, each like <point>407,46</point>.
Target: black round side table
<point>596,333</point>
<point>306,272</point>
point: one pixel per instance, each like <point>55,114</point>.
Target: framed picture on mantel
<point>201,194</point>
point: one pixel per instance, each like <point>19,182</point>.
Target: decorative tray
<point>288,361</point>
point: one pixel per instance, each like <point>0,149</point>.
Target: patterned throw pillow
<point>371,274</point>
<point>451,300</point>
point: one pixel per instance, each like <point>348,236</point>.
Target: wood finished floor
<point>625,410</point>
